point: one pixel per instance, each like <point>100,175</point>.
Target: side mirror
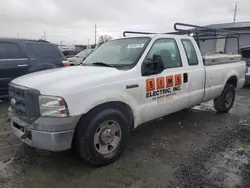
<point>152,66</point>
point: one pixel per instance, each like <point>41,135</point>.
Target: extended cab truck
<point>122,84</point>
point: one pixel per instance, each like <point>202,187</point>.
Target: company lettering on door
<point>163,88</point>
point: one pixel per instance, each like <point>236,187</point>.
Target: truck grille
<point>24,102</point>
<point>17,101</point>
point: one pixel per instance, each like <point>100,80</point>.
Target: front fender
<point>82,104</point>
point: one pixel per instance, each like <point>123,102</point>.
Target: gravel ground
<point>191,148</point>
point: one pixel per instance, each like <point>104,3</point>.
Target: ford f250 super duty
<point>122,84</point>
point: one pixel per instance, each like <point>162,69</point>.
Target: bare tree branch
<point>104,38</point>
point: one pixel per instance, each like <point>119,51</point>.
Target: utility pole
<point>95,34</point>
<point>74,37</point>
<point>44,35</point>
<point>235,11</point>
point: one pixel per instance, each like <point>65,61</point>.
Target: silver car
<point>80,57</point>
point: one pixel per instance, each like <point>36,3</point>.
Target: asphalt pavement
<point>192,148</point>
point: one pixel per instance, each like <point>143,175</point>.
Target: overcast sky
<point>70,21</point>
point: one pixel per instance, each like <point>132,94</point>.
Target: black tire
<point>220,103</point>
<point>86,130</point>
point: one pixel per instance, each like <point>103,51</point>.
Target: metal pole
<point>74,37</point>
<point>225,46</point>
<point>238,44</point>
<point>198,37</point>
<point>95,34</point>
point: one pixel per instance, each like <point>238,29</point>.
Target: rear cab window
<point>10,50</point>
<point>190,52</point>
<point>43,50</point>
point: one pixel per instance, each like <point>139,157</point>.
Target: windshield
<point>122,52</point>
<point>83,53</point>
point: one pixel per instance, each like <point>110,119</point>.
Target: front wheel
<point>226,100</point>
<point>101,137</point>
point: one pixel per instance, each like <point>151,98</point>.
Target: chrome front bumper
<point>58,141</point>
<point>45,133</point>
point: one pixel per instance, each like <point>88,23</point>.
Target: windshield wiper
<point>102,64</point>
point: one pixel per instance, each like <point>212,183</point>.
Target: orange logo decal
<point>160,82</point>
<point>169,80</point>
<point>178,80</point>
<point>150,84</point>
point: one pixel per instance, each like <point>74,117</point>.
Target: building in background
<point>230,44</point>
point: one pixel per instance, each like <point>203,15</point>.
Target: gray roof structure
<point>236,25</point>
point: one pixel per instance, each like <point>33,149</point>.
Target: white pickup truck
<point>122,84</point>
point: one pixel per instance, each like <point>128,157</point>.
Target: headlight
<point>52,106</point>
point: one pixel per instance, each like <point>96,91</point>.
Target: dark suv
<point>20,56</point>
<point>245,53</point>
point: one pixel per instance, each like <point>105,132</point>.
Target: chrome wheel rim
<point>228,99</point>
<point>107,137</point>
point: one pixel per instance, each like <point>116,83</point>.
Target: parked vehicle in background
<point>19,57</point>
<point>123,83</point>
<point>80,57</point>
<point>70,53</point>
<point>245,53</point>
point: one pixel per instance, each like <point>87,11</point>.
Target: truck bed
<point>217,75</point>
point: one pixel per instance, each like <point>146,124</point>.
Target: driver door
<point>166,92</point>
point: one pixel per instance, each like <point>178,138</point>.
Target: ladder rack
<point>200,33</point>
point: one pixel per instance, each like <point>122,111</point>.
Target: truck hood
<point>67,79</point>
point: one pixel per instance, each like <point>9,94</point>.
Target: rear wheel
<point>101,137</point>
<point>226,100</point>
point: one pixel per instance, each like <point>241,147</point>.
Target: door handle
<point>185,77</point>
<point>22,65</point>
